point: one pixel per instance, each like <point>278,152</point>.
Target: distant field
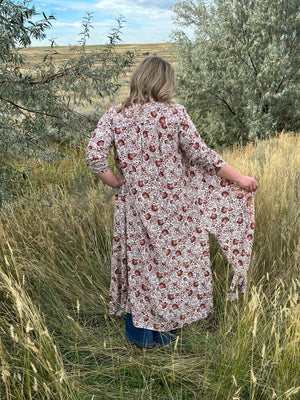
<point>62,53</point>
<point>165,50</point>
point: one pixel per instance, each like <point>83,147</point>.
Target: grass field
<point>165,50</point>
<point>57,340</point>
<point>62,53</point>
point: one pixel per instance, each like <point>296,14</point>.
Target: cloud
<point>59,9</point>
<point>109,5</point>
<point>145,21</point>
<point>64,5</point>
<point>128,8</point>
<point>75,24</point>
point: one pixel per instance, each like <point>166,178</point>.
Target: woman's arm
<point>100,144</point>
<point>245,182</point>
<point>110,179</point>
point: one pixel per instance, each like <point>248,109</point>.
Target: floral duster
<point>171,199</point>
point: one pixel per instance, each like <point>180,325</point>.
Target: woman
<point>172,191</point>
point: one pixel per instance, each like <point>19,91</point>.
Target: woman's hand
<point>247,183</point>
<point>120,179</point>
<point>111,179</point>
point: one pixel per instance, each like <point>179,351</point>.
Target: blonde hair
<point>152,80</point>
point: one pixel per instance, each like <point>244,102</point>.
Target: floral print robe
<point>170,200</point>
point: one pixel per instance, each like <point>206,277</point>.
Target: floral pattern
<point>170,200</point>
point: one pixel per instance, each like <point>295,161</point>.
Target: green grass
<point>57,340</point>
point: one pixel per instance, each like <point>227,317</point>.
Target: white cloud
<point>132,8</point>
<point>60,9</point>
<point>75,24</point>
<point>67,32</point>
<point>63,5</point>
<point>145,21</point>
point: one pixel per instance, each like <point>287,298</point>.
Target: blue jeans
<point>146,337</point>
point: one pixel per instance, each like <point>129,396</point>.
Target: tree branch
<point>92,120</point>
<point>52,77</point>
<point>289,53</point>
<point>279,86</point>
<point>252,63</point>
<point>29,110</point>
<point>248,52</point>
<point>294,74</point>
<point>228,107</point>
<point>61,74</point>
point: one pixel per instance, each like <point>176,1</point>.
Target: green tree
<point>37,100</point>
<point>239,74</point>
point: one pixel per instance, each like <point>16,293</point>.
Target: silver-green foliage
<point>39,101</point>
<point>239,74</point>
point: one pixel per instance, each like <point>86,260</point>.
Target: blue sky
<point>146,21</point>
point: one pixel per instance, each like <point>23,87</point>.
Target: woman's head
<point>153,79</point>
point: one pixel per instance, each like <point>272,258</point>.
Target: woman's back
<point>147,143</point>
<point>169,198</point>
<point>158,143</point>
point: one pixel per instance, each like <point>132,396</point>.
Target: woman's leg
<point>164,338</point>
<point>146,337</point>
<point>139,336</point>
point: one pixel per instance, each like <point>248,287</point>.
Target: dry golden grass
<point>57,340</point>
<point>164,50</point>
<point>34,55</point>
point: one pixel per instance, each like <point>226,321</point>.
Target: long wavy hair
<point>152,80</point>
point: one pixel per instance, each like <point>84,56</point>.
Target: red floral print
<point>170,200</point>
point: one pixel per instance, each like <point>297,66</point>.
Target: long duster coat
<point>170,200</point>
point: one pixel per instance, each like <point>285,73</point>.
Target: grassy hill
<point>164,50</point>
<point>62,53</point>
<point>57,340</point>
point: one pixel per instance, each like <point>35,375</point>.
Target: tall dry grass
<point>57,340</point>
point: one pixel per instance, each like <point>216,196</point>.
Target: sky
<point>145,21</point>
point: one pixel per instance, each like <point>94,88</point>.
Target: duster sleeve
<point>194,147</point>
<point>229,210</point>
<point>100,143</point>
